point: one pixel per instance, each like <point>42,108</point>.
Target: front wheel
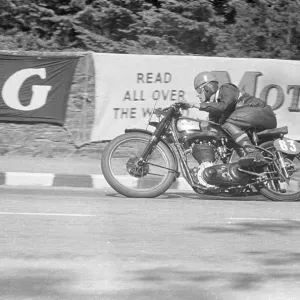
<point>278,189</point>
<point>127,174</point>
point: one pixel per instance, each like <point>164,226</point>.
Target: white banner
<point>127,87</point>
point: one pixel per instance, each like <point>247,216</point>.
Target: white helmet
<point>204,77</point>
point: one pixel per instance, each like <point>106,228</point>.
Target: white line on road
<point>46,214</point>
<point>262,219</point>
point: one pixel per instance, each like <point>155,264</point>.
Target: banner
<point>128,87</point>
<point>35,89</point>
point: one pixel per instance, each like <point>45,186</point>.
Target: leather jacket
<point>227,99</point>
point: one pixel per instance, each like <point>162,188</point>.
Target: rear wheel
<point>128,175</point>
<point>280,189</point>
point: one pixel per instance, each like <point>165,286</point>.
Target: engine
<point>210,174</point>
<point>225,175</point>
<point>205,155</point>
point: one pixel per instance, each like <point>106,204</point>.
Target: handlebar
<point>181,105</point>
<point>178,105</point>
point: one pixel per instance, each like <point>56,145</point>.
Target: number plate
<point>287,146</point>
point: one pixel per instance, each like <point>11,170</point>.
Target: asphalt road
<point>88,244</point>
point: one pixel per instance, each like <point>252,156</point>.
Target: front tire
<point>272,189</point>
<point>120,167</point>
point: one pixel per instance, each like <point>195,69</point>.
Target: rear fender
<point>150,134</point>
<point>270,134</point>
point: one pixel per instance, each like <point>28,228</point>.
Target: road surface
<point>89,244</point>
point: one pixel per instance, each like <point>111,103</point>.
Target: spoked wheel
<point>129,175</point>
<point>280,189</point>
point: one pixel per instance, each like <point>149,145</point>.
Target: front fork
<point>154,140</point>
<point>148,150</point>
<point>159,131</point>
<point>182,159</point>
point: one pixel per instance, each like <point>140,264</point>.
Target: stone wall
<point>72,140</point>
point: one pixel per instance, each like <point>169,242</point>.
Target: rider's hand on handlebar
<point>185,105</point>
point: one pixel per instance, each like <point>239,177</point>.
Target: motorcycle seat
<point>275,132</point>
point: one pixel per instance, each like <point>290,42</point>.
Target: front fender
<point>150,133</point>
<point>127,130</point>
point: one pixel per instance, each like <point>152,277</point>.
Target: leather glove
<point>202,105</point>
<point>185,105</point>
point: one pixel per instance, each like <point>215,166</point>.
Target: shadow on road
<point>252,228</point>
<point>193,196</point>
<point>171,292</point>
<point>175,283</point>
<point>236,280</point>
<point>37,283</point>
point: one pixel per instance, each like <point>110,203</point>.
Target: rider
<point>235,111</point>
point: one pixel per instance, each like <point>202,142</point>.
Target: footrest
<point>245,161</point>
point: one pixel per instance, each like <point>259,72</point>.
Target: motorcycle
<point>142,163</point>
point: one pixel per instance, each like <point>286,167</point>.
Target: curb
<point>96,181</point>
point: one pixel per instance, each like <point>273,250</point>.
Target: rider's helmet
<point>203,78</point>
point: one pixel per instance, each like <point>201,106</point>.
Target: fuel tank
<point>189,128</point>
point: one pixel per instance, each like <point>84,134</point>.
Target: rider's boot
<point>253,156</point>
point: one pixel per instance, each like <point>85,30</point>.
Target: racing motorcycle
<point>145,163</point>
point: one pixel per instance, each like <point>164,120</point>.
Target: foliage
<point>237,28</point>
<point>262,28</point>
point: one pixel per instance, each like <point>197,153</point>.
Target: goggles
<point>201,92</point>
<point>199,89</point>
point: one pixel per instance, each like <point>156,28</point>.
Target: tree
<point>186,25</point>
<point>262,28</point>
<point>111,26</point>
<point>222,8</point>
<point>236,28</point>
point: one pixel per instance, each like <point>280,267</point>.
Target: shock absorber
<point>282,164</point>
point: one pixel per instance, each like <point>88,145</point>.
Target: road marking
<point>262,219</point>
<point>29,179</point>
<point>46,214</point>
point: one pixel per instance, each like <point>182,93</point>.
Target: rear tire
<point>271,194</point>
<point>125,149</point>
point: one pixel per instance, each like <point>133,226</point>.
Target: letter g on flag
<point>12,86</point>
